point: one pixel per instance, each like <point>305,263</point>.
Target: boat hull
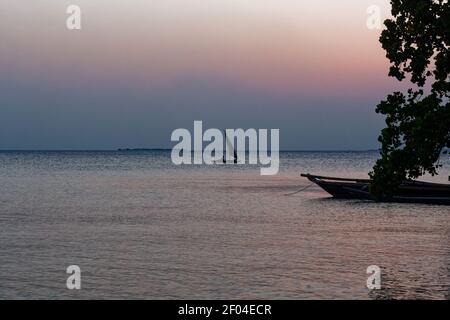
<point>341,190</point>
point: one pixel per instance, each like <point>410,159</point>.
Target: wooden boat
<point>408,192</point>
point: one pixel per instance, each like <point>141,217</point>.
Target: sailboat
<point>231,148</point>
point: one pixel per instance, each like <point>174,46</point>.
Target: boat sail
<point>229,148</point>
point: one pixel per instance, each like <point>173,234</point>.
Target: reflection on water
<point>141,228</point>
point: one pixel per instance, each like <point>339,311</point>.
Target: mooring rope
<point>302,189</point>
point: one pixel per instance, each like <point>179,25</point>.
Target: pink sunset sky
<point>288,49</point>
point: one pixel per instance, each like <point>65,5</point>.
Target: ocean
<point>140,227</point>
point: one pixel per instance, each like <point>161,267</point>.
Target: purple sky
<point>140,69</point>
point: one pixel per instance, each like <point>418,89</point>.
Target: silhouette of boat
<point>229,147</point>
<point>410,191</point>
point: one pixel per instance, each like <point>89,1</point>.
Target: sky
<point>139,69</point>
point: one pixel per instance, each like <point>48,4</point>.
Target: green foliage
<point>416,41</point>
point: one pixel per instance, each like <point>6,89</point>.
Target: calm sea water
<point>139,227</point>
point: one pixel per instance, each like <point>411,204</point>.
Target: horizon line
<point>170,149</point>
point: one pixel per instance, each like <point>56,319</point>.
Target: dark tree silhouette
<point>416,41</point>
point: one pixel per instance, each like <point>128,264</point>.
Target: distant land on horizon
<point>166,149</point>
<point>293,150</point>
<point>444,152</point>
